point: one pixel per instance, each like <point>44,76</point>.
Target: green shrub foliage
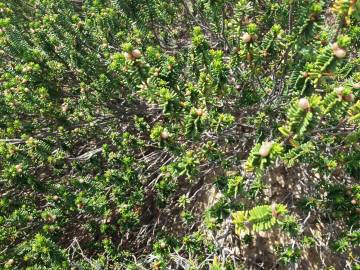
<point>154,134</point>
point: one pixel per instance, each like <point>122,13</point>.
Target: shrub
<point>161,134</point>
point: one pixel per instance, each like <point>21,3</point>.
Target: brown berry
<point>9,263</point>
<point>157,72</point>
<point>136,54</point>
<point>164,135</point>
<point>128,56</point>
<point>19,168</point>
<point>246,37</point>
<point>356,86</point>
<point>335,46</point>
<point>304,103</point>
<point>80,205</point>
<point>64,108</point>
<point>235,49</point>
<point>313,18</point>
<point>265,149</point>
<point>199,112</point>
<point>51,218</point>
<point>339,90</point>
<point>305,74</point>
<point>340,53</point>
<point>349,98</point>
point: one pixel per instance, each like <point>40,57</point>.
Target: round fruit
<point>18,168</point>
<point>340,53</point>
<point>265,149</point>
<point>64,108</point>
<point>335,46</point>
<point>235,49</point>
<point>52,218</point>
<point>305,74</point>
<point>349,98</point>
<point>339,90</point>
<point>157,72</point>
<point>353,202</point>
<point>304,103</point>
<point>164,135</point>
<point>246,37</point>
<point>80,205</point>
<point>9,263</point>
<point>136,53</point>
<point>199,112</point>
<point>356,86</point>
<point>128,56</point>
